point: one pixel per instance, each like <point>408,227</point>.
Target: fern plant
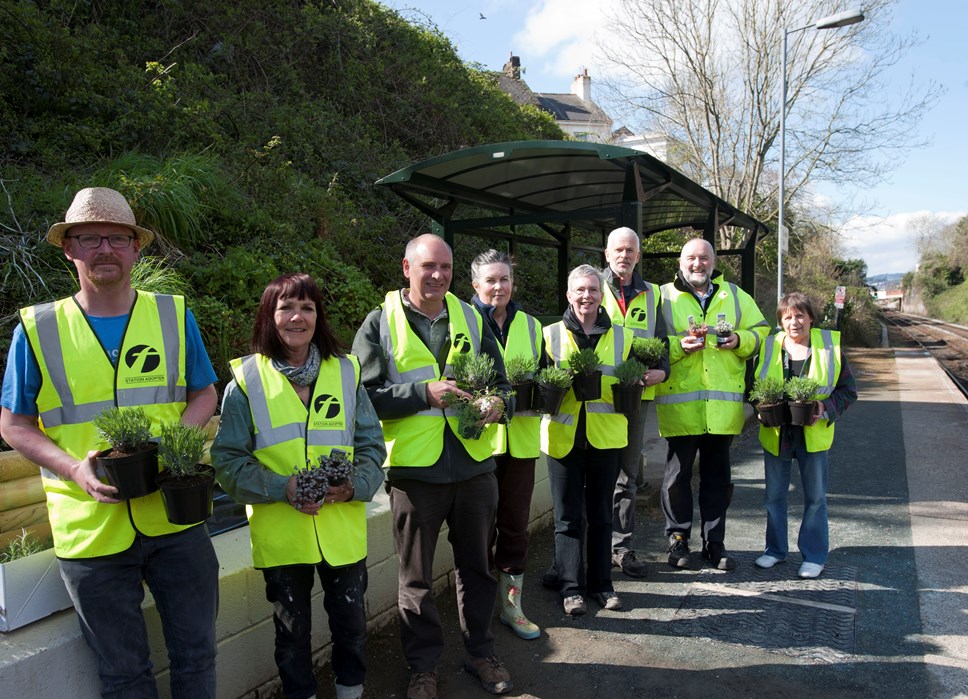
<point>555,377</point>
<point>768,390</point>
<point>473,372</point>
<point>127,429</point>
<point>649,350</point>
<point>629,372</point>
<point>181,450</point>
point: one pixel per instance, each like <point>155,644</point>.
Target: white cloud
<point>561,34</point>
<point>887,243</point>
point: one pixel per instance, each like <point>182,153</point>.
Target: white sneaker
<point>810,570</point>
<point>767,561</point>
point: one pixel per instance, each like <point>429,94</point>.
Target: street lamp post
<point>841,19</point>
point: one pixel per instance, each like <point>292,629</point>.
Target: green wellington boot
<point>511,614</point>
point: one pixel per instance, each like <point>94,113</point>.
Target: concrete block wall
<point>50,658</point>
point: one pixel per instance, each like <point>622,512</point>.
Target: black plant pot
<point>187,500</point>
<point>587,386</point>
<point>800,413</point>
<point>773,415</point>
<point>132,474</point>
<point>522,395</point>
<point>550,399</point>
<point>627,399</point>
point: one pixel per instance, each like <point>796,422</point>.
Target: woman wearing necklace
<point>295,399</point>
<point>800,349</point>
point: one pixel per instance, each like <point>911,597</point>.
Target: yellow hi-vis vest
<point>78,381</point>
<point>604,428</point>
<point>704,393</point>
<point>522,435</point>
<point>287,435</point>
<point>418,439</point>
<point>825,363</point>
<point>640,316</point>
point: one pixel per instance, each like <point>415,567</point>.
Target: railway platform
<point>889,617</point>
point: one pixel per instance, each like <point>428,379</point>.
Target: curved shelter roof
<point>561,186</point>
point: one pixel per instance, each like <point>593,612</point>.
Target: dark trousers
<point>623,504</point>
<point>582,484</point>
<point>715,488</point>
<point>515,484</point>
<point>419,511</point>
<point>289,589</point>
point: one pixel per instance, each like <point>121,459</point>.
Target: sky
<point>554,39</point>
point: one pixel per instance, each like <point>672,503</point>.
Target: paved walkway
<point>888,618</point>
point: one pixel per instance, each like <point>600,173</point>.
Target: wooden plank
<point>14,466</point>
<point>23,517</point>
<point>40,530</point>
<point>23,491</point>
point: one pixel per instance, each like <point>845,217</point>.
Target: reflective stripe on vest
<point>78,381</point>
<point>418,440</point>
<point>824,367</point>
<point>604,428</point>
<point>288,434</point>
<point>523,434</point>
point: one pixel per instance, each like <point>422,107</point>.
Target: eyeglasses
<point>92,241</point>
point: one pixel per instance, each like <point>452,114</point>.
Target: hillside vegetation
<point>248,134</point>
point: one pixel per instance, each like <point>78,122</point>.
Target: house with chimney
<point>576,113</point>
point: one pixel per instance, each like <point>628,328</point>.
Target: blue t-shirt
<point>21,380</point>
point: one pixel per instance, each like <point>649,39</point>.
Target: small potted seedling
<point>553,383</point>
<point>314,480</point>
<point>697,329</point>
<point>723,330</point>
<point>475,375</point>
<point>801,390</point>
<point>131,464</point>
<point>30,583</point>
<point>520,372</point>
<point>767,395</point>
<point>628,386</point>
<point>186,483</point>
<point>585,365</point>
<point>649,351</point>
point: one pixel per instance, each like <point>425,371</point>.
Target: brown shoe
<point>492,675</point>
<point>423,685</point>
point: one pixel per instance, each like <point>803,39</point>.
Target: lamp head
<point>841,19</point>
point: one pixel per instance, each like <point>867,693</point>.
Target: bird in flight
<point>482,15</point>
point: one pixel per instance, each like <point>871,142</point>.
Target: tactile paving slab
<point>773,609</point>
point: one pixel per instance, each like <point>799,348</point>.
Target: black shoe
<point>549,578</point>
<point>679,554</point>
<point>718,558</point>
<point>631,566</point>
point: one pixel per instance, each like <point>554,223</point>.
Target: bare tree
<point>708,74</point>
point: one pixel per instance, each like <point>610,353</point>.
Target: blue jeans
<point>181,571</point>
<point>813,540</point>
<point>289,588</point>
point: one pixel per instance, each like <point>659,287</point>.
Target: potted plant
<point>723,330</point>
<point>30,583</point>
<point>767,395</point>
<point>628,386</point>
<point>131,464</point>
<point>186,483</point>
<point>553,383</point>
<point>697,329</point>
<point>474,374</point>
<point>520,372</point>
<point>585,366</point>
<point>314,480</point>
<point>649,351</point>
<point>800,390</point>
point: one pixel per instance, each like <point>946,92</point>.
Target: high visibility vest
<point>418,439</point>
<point>639,317</point>
<point>522,435</point>
<point>825,363</point>
<point>287,436</point>
<point>78,381</point>
<point>604,428</point>
<point>704,392</point>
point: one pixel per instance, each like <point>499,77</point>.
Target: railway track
<point>946,342</point>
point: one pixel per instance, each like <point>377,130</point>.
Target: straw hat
<point>98,205</point>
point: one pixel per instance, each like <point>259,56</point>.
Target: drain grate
<point>773,609</point>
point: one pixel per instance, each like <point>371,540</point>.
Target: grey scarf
<point>302,375</point>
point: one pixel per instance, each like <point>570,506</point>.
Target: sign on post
<point>839,295</point>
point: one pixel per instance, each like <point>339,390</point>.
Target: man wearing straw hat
<point>110,345</point>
